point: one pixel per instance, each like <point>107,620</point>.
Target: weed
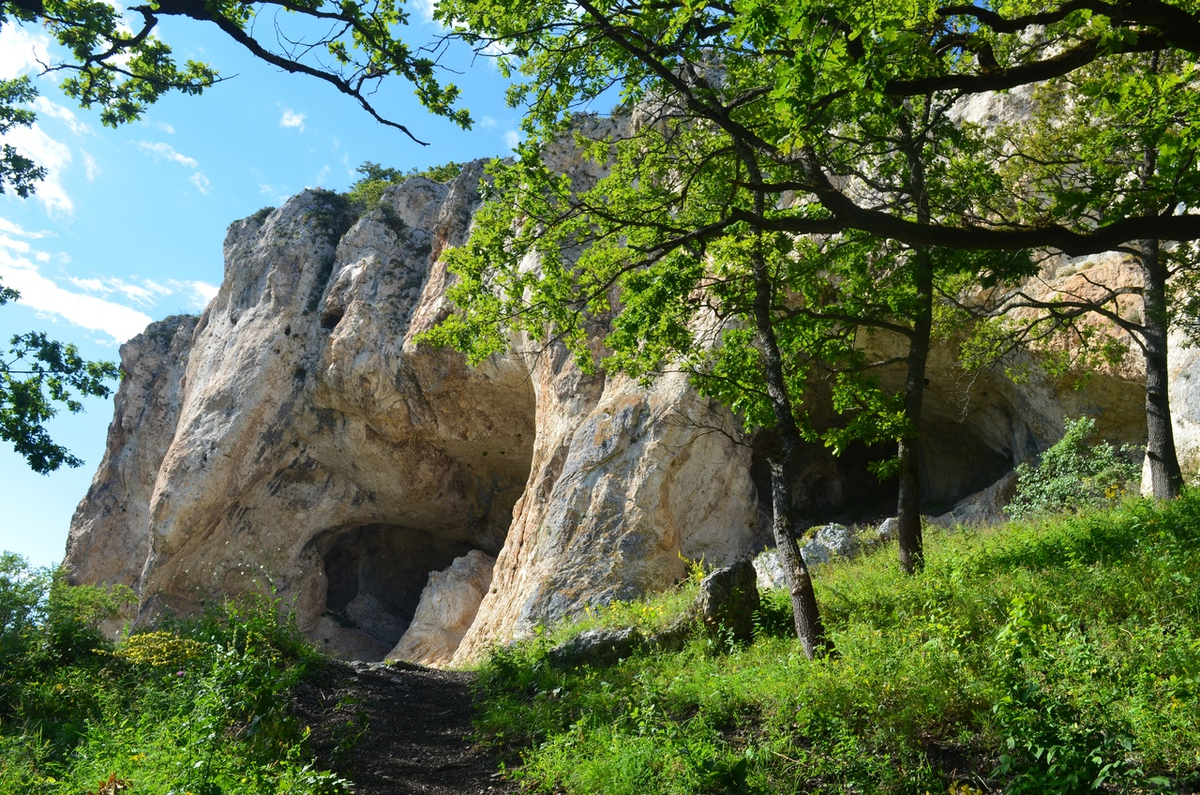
<point>198,706</point>
<point>1059,655</point>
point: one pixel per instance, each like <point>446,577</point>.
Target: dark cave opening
<point>376,572</point>
<point>955,463</point>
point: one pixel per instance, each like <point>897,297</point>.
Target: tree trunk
<point>908,498</point>
<point>1166,477</point>
<point>809,627</point>
<point>908,502</point>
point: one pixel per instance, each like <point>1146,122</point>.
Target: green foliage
<point>1072,474</point>
<point>200,707</point>
<point>1038,657</point>
<point>368,190</point>
<point>38,376</point>
<point>17,172</point>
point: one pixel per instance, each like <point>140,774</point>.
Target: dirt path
<point>395,730</point>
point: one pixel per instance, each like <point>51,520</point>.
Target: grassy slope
<point>1058,656</point>
<point>199,709</point>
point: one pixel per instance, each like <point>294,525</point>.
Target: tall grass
<point>1054,656</point>
<point>198,707</point>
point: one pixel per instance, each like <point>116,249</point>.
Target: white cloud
<point>163,151</point>
<point>40,293</point>
<point>21,51</point>
<point>15,245</point>
<point>291,119</point>
<point>323,174</point>
<point>512,138</point>
<point>168,129</point>
<point>33,142</point>
<point>91,285</point>
<point>487,122</point>
<point>425,9</point>
<point>91,167</point>
<point>202,183</point>
<point>62,113</point>
<point>11,228</point>
<point>200,293</point>
<point>147,293</point>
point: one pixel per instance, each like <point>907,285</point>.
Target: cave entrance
<point>375,574</point>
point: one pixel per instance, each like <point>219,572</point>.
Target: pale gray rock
<point>828,542</point>
<point>299,436</point>
<point>984,508</point>
<point>110,536</point>
<point>728,600</point>
<point>769,570</point>
<point>448,605</point>
<point>596,647</point>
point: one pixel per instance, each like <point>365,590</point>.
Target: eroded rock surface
<point>297,436</point>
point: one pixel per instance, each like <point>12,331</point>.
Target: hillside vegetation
<point>1058,655</point>
<point>1053,656</point>
<point>197,708</point>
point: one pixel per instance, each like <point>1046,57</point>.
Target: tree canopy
<point>756,123</point>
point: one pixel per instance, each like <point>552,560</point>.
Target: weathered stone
<point>448,606</point>
<point>728,599</point>
<point>596,647</point>
<point>769,570</point>
<point>828,542</point>
<point>983,508</point>
<point>298,432</point>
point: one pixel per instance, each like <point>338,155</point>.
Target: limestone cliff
<point>296,436</point>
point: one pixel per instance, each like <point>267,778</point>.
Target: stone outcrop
<point>447,608</point>
<point>298,436</point>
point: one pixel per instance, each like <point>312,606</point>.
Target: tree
<point>36,374</point>
<point>757,122</point>
<point>695,224</point>
<point>1116,139</point>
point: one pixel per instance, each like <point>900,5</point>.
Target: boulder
<point>728,600</point>
<point>448,605</point>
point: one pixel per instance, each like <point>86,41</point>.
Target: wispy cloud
<point>168,129</point>
<point>147,293</point>
<point>10,228</point>
<point>44,295</point>
<point>21,51</point>
<point>163,151</point>
<point>62,113</point>
<point>199,293</point>
<point>425,9</point>
<point>512,138</point>
<point>487,122</point>
<point>292,119</point>
<point>92,169</point>
<point>54,156</point>
<point>202,183</point>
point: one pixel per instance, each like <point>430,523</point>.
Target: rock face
<point>448,606</point>
<point>297,436</point>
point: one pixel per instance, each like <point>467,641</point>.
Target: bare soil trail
<point>398,729</point>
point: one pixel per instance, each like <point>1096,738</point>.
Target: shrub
<point>1072,475</point>
<point>367,191</point>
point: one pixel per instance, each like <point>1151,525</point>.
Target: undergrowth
<point>198,707</point>
<point>1060,655</point>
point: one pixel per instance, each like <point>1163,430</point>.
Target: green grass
<point>199,707</point>
<point>1056,656</point>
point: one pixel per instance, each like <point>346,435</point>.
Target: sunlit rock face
<point>298,437</point>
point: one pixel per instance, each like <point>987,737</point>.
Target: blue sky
<point>128,226</point>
